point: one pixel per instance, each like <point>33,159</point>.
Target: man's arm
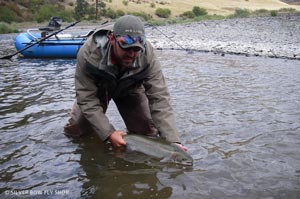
<point>159,99</point>
<point>89,103</point>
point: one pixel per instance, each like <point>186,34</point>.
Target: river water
<point>239,116</point>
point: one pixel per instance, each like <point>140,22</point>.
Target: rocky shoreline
<point>277,37</point>
<point>255,36</point>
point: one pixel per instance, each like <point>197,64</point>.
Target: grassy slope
<point>222,7</point>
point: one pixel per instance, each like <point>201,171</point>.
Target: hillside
<point>223,7</point>
<point>18,13</point>
<point>26,9</point>
<point>292,2</point>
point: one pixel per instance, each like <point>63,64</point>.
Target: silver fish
<point>157,148</point>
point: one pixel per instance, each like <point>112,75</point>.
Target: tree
<point>80,9</point>
<point>188,14</point>
<point>199,11</point>
<point>163,12</point>
<point>101,11</point>
<point>7,15</point>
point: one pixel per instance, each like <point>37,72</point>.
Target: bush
<point>289,10</point>
<point>48,11</point>
<point>125,3</point>
<point>7,15</point>
<point>241,13</point>
<point>14,7</point>
<point>120,13</point>
<point>188,14</point>
<point>66,16</point>
<point>4,29</point>
<point>163,12</point>
<point>81,9</point>
<point>143,15</point>
<point>111,13</point>
<point>261,11</point>
<point>199,11</point>
<point>274,13</point>
<point>162,2</point>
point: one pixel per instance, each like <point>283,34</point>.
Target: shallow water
<point>239,116</point>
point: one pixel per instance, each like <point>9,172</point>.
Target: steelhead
<point>157,148</point>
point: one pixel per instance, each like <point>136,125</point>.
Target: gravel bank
<point>256,36</point>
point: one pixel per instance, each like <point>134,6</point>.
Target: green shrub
<point>81,9</point>
<point>48,11</point>
<point>15,8</point>
<point>199,11</point>
<point>188,14</point>
<point>274,13</point>
<point>163,12</point>
<point>45,13</point>
<point>261,11</point>
<point>163,2</point>
<point>142,15</point>
<point>111,13</point>
<point>125,2</point>
<point>152,5</point>
<point>4,29</point>
<point>241,13</point>
<point>120,13</point>
<point>66,16</point>
<point>289,10</point>
<point>7,15</point>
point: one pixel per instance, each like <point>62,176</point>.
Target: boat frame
<point>58,46</point>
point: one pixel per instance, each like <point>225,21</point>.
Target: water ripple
<point>239,117</point>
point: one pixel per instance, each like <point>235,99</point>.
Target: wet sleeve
<point>89,103</point>
<point>159,99</point>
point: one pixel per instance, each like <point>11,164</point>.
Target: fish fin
<point>130,148</point>
<point>177,148</point>
<point>166,159</point>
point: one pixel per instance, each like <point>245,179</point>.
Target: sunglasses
<point>128,40</point>
<point>135,48</point>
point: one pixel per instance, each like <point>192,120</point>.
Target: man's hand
<point>182,147</point>
<point>116,139</point>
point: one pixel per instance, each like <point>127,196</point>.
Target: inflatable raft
<point>57,46</point>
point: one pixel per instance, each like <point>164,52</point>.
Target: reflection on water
<point>239,116</point>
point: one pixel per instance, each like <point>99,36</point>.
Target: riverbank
<point>253,36</point>
<point>276,36</point>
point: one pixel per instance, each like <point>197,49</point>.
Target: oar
<point>40,40</point>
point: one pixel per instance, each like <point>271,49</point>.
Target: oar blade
<point>7,57</point>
